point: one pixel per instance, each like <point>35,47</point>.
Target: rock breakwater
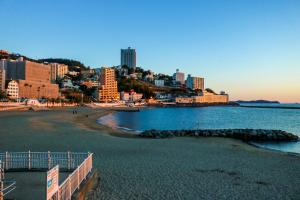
<point>247,135</point>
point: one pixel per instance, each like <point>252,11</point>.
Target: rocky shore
<point>242,134</point>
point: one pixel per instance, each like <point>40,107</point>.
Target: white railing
<point>81,163</point>
<point>5,186</point>
<point>74,180</point>
<point>41,160</point>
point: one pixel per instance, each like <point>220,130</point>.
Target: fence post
<point>49,160</point>
<point>69,185</point>
<point>1,190</point>
<point>6,160</point>
<point>2,177</point>
<point>78,176</point>
<point>69,161</point>
<point>29,160</point>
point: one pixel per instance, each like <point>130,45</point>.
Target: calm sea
<point>212,118</point>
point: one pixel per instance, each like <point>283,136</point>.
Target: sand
<point>136,168</point>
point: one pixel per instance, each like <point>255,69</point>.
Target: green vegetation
<point>210,90</point>
<point>73,64</point>
<point>2,95</point>
<point>127,84</point>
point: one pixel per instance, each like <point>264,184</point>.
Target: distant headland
<point>257,101</point>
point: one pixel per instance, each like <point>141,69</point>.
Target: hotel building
<point>58,71</point>
<point>195,83</point>
<point>33,79</point>
<point>128,57</point>
<point>108,89</point>
<point>205,97</point>
<point>179,77</point>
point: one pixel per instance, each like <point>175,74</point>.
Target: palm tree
<point>26,86</point>
<point>30,86</point>
<point>38,90</point>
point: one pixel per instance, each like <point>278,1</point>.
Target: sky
<point>248,48</point>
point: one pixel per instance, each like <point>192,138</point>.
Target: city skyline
<point>249,49</point>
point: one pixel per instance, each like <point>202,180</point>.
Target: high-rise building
<point>195,83</point>
<point>33,79</point>
<point>128,57</point>
<point>179,77</point>
<point>58,71</point>
<point>2,80</point>
<point>108,89</point>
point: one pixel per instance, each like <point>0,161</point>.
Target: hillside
<point>71,63</point>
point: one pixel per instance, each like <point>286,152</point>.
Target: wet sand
<point>136,168</point>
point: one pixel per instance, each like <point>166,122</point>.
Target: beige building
<point>12,90</point>
<point>58,71</point>
<point>108,89</point>
<point>206,97</point>
<point>179,77</point>
<point>33,79</point>
<point>195,83</point>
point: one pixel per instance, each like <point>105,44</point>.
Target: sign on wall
<point>52,181</point>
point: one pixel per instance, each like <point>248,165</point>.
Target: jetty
<point>247,135</point>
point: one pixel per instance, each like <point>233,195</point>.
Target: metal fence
<point>81,163</point>
<point>41,160</point>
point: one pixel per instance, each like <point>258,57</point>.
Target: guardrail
<point>74,180</point>
<point>5,186</point>
<point>41,160</point>
<point>81,163</point>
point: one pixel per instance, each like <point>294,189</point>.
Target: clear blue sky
<point>249,48</point>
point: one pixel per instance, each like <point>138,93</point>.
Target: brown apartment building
<point>34,79</point>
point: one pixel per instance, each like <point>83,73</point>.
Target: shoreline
<point>120,132</point>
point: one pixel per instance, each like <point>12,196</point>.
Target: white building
<point>12,90</point>
<point>159,83</point>
<point>73,73</point>
<point>130,96</point>
<point>179,77</point>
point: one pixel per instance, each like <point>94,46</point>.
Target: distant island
<point>258,101</point>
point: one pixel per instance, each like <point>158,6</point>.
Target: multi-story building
<point>58,71</point>
<point>33,79</point>
<point>12,90</point>
<point>131,96</point>
<point>195,83</point>
<point>159,83</point>
<point>205,97</point>
<point>128,57</point>
<point>108,89</point>
<point>2,80</point>
<point>179,77</point>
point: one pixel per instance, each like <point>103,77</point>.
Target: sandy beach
<point>137,168</point>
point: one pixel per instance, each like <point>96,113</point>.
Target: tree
<point>2,95</point>
<point>210,90</point>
